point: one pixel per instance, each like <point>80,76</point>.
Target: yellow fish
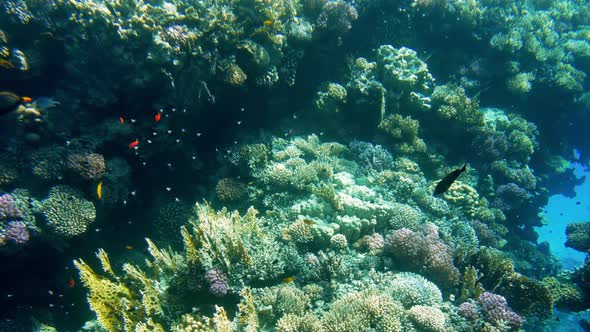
<point>308,222</point>
<point>288,280</point>
<point>129,247</point>
<point>99,190</point>
<point>268,22</point>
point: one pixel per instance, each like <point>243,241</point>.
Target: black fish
<point>448,180</point>
<point>8,102</point>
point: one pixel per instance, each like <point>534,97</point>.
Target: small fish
<point>308,222</point>
<point>168,188</point>
<point>9,101</point>
<point>157,117</point>
<point>448,180</point>
<point>578,203</point>
<point>134,143</point>
<point>26,99</point>
<point>268,23</point>
<point>71,282</point>
<point>288,280</point>
<point>121,120</point>
<point>50,292</point>
<point>99,190</point>
<point>128,247</point>
<point>251,183</point>
<point>6,64</point>
<point>133,121</point>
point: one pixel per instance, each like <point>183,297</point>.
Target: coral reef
<point>578,236</point>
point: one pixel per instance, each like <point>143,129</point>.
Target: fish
<point>268,22</point>
<point>26,99</point>
<point>158,116</point>
<point>71,283</point>
<point>9,101</point>
<point>99,190</point>
<point>121,120</point>
<point>448,180</point>
<point>134,143</point>
<point>128,247</point>
<point>6,64</point>
<point>288,280</point>
<point>308,222</point>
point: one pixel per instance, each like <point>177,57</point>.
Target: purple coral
<point>8,207</point>
<point>490,145</point>
<point>510,197</point>
<point>337,17</point>
<point>422,252</point>
<point>17,231</point>
<point>496,310</point>
<point>90,166</point>
<point>217,282</point>
<point>469,310</point>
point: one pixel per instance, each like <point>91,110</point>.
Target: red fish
<point>158,117</point>
<point>134,143</point>
<point>121,120</point>
<point>71,282</point>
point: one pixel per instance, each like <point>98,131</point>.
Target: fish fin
<point>464,168</point>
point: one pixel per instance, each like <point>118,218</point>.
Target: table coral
<point>67,212</point>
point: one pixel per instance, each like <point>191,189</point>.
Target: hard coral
<point>68,214</point>
<point>578,236</point>
<point>8,207</point>
<point>422,252</point>
<point>496,310</point>
<point>89,166</point>
<point>336,17</point>
<point>230,190</point>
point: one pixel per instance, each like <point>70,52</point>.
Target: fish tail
<point>464,168</point>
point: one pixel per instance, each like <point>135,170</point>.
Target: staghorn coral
<point>88,166</point>
<point>67,212</point>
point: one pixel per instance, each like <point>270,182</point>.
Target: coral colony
<point>280,158</point>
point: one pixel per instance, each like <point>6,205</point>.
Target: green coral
<point>402,70</point>
<point>67,212</point>
<point>330,98</point>
<point>451,103</point>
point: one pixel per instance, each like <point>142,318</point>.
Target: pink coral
<point>422,252</point>
<point>89,166</point>
<point>469,310</point>
<point>8,207</point>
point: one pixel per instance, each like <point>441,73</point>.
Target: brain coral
<point>68,214</point>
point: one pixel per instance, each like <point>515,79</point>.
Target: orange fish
<point>71,282</point>
<point>134,143</point>
<point>121,120</point>
<point>158,117</point>
<point>27,99</point>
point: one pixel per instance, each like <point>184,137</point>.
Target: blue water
<point>561,211</point>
